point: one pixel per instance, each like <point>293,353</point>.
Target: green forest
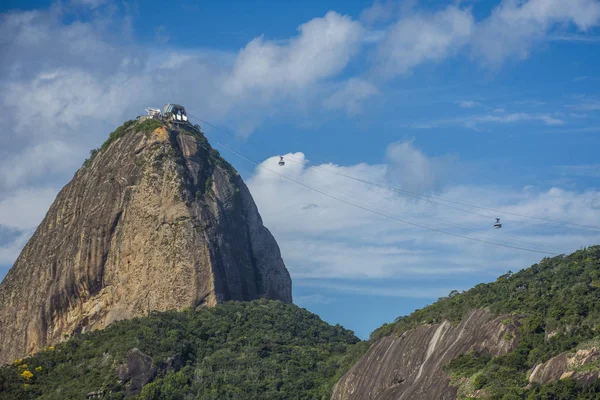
<point>559,295</point>
<point>238,350</point>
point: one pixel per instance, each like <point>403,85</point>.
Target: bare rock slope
<point>410,366</point>
<point>580,365</point>
<point>156,220</point>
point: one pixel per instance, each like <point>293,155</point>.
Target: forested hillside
<point>256,350</point>
<point>555,305</point>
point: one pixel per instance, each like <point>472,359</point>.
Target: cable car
<point>281,162</point>
<point>497,225</point>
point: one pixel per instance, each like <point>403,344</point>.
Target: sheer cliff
<point>154,220</point>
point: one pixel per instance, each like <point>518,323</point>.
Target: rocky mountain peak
<point>154,220</point>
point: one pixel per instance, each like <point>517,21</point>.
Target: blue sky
<point>491,104</point>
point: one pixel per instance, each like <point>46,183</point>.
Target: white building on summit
<point>175,113</point>
<point>172,112</point>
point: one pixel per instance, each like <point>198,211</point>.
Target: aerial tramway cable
<point>428,198</point>
<point>346,194</point>
<point>375,211</point>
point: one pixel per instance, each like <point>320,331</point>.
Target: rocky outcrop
<point>136,372</point>
<point>155,221</point>
<point>583,366</point>
<point>410,366</point>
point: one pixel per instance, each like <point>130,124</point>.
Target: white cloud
<point>323,238</point>
<point>514,27</point>
<point>92,79</point>
<point>516,117</point>
<point>421,38</point>
<point>351,95</point>
<point>25,208</point>
<point>379,11</point>
<point>469,104</point>
<point>321,50</point>
<point>10,251</point>
<point>410,169</point>
<point>474,121</point>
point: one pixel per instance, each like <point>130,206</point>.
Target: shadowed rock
<point>137,372</point>
<point>156,221</point>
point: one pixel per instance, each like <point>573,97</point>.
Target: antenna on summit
<point>153,113</point>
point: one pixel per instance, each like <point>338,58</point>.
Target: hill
<point>533,334</point>
<point>237,350</point>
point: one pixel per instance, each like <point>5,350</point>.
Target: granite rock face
<point>582,366</point>
<point>411,366</point>
<point>155,221</point>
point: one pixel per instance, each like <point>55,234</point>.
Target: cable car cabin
<point>497,225</point>
<point>175,113</point>
<point>281,162</point>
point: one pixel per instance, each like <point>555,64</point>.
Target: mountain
<point>237,350</point>
<point>155,220</point>
<point>534,334</point>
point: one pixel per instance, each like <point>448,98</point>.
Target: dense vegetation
<point>556,305</point>
<point>253,350</point>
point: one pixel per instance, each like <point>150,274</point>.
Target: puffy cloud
<point>351,95</point>
<point>25,208</point>
<point>324,238</point>
<point>321,50</point>
<point>76,81</point>
<point>420,38</point>
<point>412,170</point>
<point>10,251</point>
<point>514,27</point>
<point>510,31</point>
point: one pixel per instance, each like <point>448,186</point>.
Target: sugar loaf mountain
<point>153,277</point>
